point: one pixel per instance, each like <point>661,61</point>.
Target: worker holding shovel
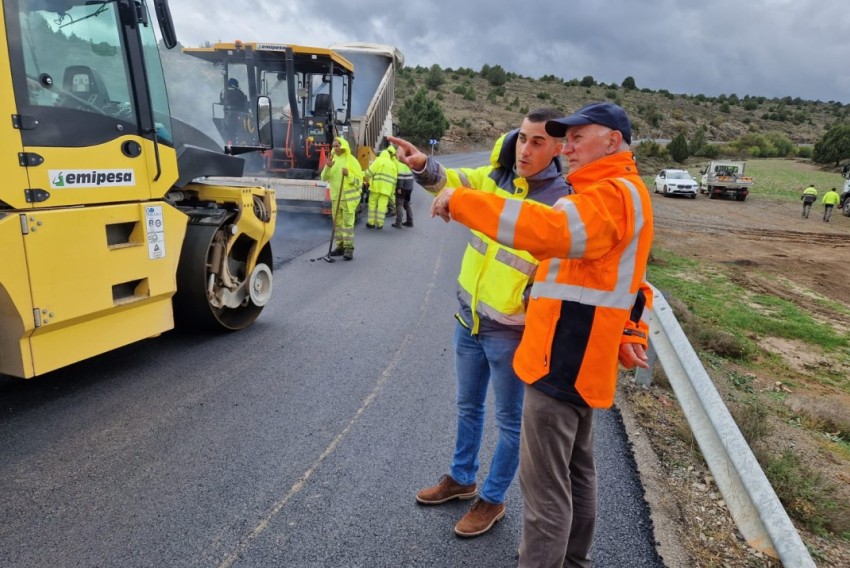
<point>342,171</point>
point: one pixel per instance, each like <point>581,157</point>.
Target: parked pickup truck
<point>725,179</point>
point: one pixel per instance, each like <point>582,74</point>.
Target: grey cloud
<point>770,48</point>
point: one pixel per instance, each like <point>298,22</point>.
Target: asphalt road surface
<point>299,442</point>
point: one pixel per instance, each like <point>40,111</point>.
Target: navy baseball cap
<point>606,114</point>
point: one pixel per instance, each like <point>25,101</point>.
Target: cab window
<point>70,71</point>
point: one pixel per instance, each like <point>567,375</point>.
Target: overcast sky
<point>772,48</point>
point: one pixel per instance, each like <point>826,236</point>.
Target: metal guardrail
<point>755,508</point>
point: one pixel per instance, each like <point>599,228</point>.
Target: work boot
<point>397,225</point>
<point>370,226</point>
<point>446,490</point>
<point>348,254</point>
<point>337,251</point>
<point>479,519</point>
<point>408,223</point>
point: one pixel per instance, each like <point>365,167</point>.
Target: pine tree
<point>435,77</point>
<point>834,146</point>
<point>678,148</point>
<point>422,119</point>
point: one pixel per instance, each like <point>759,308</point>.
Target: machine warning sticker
<point>156,231</point>
<point>69,179</point>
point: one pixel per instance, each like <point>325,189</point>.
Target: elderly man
<point>587,307</point>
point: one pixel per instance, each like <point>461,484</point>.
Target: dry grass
<point>828,415</point>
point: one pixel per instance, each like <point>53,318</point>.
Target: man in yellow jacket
<point>492,294</point>
<point>343,173</point>
<point>830,200</point>
<point>593,247</point>
<point>382,175</point>
<point>810,195</point>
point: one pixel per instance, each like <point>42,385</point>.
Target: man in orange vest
<point>588,308</point>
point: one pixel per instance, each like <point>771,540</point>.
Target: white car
<point>676,182</point>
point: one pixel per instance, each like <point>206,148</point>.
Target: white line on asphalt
<point>385,376</point>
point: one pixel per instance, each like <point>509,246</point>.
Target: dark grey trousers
<point>557,477</point>
<point>827,212</point>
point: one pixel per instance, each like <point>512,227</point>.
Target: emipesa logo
<point>61,179</point>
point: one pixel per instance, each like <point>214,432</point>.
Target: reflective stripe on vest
<point>504,255</point>
<point>621,296</point>
<point>385,178</point>
<point>489,311</point>
<point>351,194</point>
<point>512,269</point>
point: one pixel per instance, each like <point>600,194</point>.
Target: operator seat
<point>85,83</point>
<point>322,105</point>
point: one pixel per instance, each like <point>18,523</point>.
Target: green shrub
<point>649,149</point>
<point>421,118</point>
<point>435,78</point>
<point>804,152</point>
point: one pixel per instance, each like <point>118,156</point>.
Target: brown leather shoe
<point>446,490</point>
<point>479,519</point>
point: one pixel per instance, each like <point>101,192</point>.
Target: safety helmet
<point>232,83</point>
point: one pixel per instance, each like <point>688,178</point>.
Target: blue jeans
<point>478,360</point>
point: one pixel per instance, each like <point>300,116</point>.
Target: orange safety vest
<point>590,285</point>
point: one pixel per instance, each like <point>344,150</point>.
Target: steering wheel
<point>70,100</point>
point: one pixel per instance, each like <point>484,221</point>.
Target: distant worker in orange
<point>593,248</point>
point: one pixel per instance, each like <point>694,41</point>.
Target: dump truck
<point>725,179</point>
<point>315,97</point>
<point>108,233</point>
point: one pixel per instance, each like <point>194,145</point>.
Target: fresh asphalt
<point>299,442</point>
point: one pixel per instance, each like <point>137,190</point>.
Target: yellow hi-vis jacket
<point>810,195</point>
<point>494,279</point>
<point>353,183</point>
<point>593,248</point>
<point>382,173</point>
<point>831,198</point>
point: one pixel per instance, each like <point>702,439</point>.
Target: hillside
<point>655,114</point>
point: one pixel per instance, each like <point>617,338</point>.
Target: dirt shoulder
<point>764,246</point>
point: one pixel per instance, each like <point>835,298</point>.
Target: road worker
<point>810,195</point>
<point>492,291</point>
<point>233,98</point>
<point>403,190</point>
<point>382,176</point>
<point>587,307</point>
<point>345,177</point>
<point>830,200</point>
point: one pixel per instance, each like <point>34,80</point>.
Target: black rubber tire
<point>192,309</point>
